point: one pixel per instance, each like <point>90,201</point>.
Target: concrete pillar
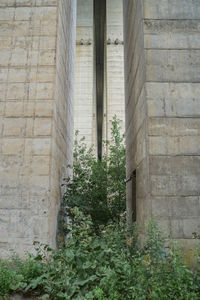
<point>37,46</point>
<point>162,75</point>
<point>84,106</point>
<point>85,87</point>
<point>114,98</point>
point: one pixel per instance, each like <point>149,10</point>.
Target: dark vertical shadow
<point>99,38</point>
<point>134,196</point>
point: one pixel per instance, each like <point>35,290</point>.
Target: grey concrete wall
<point>114,96</point>
<point>63,117</point>
<point>85,102</point>
<point>172,46</point>
<point>136,108</point>
<point>84,107</point>
<point>36,113</point>
<point>171,52</point>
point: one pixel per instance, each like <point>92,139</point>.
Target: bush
<point>6,280</point>
<point>98,187</point>
<point>9,279</point>
<point>102,267</point>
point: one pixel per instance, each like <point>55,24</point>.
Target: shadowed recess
<point>99,37</point>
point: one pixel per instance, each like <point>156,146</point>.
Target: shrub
<point>9,279</point>
<point>101,267</point>
<point>6,280</point>
<point>97,186</point>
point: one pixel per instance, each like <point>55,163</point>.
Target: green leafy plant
<point>9,279</point>
<point>116,171</point>
<point>97,186</point>
<point>102,267</point>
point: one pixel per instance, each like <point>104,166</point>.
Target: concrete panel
<point>173,65</point>
<point>185,228</point>
<point>174,127</point>
<point>161,207</point>
<point>174,136</point>
<point>171,9</point>
<point>173,99</point>
<point>185,207</point>
<point>175,185</point>
<point>84,13</point>
<point>172,34</point>
<point>176,165</point>
<point>114,12</point>
<point>175,207</point>
<point>186,145</point>
<point>176,175</point>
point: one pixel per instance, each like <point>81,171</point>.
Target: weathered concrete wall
<point>114,96</point>
<point>36,117</point>
<point>63,121</point>
<point>172,63</point>
<point>172,42</point>
<point>136,108</point>
<point>84,106</point>
<point>85,102</point>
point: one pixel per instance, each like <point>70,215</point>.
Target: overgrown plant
<point>97,186</point>
<point>116,171</point>
<point>101,267</point>
<point>9,279</point>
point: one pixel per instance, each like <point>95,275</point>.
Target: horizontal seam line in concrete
<point>29,6</point>
<point>158,81</point>
<point>170,196</point>
<point>171,136</point>
<point>167,19</point>
<point>27,82</point>
<point>173,155</point>
<point>28,35</point>
<point>22,117</point>
<point>25,67</point>
<point>25,137</point>
<point>172,49</point>
<point>173,196</point>
<point>171,117</point>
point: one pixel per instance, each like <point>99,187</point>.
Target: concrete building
<point>162,88</point>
